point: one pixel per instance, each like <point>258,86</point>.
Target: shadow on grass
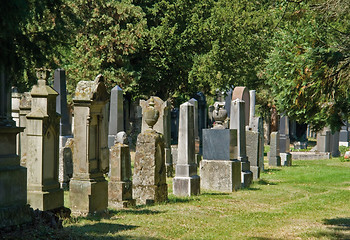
<point>214,194</point>
<point>341,223</point>
<point>173,199</point>
<point>338,228</point>
<point>136,211</point>
<point>270,170</point>
<point>264,182</point>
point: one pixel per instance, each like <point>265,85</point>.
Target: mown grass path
<point>310,200</point>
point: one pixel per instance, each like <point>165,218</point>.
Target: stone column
<point>88,188</point>
<point>25,107</point>
<point>252,94</point>
<point>197,143</point>
<point>116,114</point>
<point>120,184</point>
<point>162,126</point>
<point>149,179</point>
<point>43,122</point>
<point>186,181</point>
<point>13,178</point>
<point>274,154</point>
<point>237,121</point>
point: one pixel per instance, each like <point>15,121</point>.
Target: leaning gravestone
<point>274,154</point>
<point>13,177</point>
<point>242,93</point>
<point>186,181</point>
<point>149,179</point>
<point>162,126</point>
<point>220,170</point>
<point>116,115</point>
<point>43,124</point>
<point>120,184</point>
<point>237,121</point>
<point>88,188</point>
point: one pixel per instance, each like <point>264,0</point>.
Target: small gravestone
<point>220,170</point>
<point>25,107</point>
<point>324,140</point>
<point>43,124</point>
<point>237,121</point>
<point>116,112</point>
<point>120,184</point>
<point>88,188</point>
<point>149,179</point>
<point>186,181</point>
<point>162,126</point>
<point>274,154</point>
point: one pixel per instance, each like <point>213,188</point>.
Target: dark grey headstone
<point>219,144</point>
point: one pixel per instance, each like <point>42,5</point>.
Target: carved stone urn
<point>219,115</point>
<point>151,114</point>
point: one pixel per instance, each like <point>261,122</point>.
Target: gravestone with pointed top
<point>116,114</point>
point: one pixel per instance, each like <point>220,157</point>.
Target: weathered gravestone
<point>88,188</point>
<point>186,181</point>
<point>162,126</point>
<point>220,170</point>
<point>242,93</point>
<point>25,107</point>
<point>120,184</point>
<point>116,115</point>
<point>274,154</point>
<point>43,124</point>
<point>324,140</point>
<point>149,179</point>
<point>13,177</point>
<point>237,121</point>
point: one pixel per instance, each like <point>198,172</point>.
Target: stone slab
<point>219,144</point>
<point>310,155</point>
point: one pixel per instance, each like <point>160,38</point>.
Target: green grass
<point>309,200</point>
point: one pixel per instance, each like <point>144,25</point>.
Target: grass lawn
<point>310,200</point>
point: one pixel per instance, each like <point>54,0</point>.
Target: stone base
<point>120,194</point>
<point>274,160</point>
<point>286,159</point>
<point>88,196</point>
<point>256,172</point>
<point>186,186</point>
<point>15,215</point>
<point>220,175</point>
<point>150,194</point>
<point>247,178</point>
<point>47,200</point>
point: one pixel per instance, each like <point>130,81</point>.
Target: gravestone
<point>116,114</point>
<point>252,94</point>
<point>197,141</point>
<point>65,167</point>
<point>324,140</point>
<point>186,181</point>
<point>344,135</point>
<point>88,188</point>
<point>335,144</point>
<point>202,114</point>
<point>284,144</point>
<point>242,93</point>
<point>149,179</point>
<point>25,107</point>
<point>162,126</point>
<point>14,210</point>
<point>43,124</point>
<point>237,121</point>
<point>174,127</point>
<point>120,184</point>
<point>15,100</point>
<point>228,100</point>
<point>274,154</point>
<point>253,153</point>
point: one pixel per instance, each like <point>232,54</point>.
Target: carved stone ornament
<point>151,114</point>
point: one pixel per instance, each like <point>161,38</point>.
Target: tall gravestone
<point>220,170</point>
<point>120,184</point>
<point>25,107</point>
<point>197,141</point>
<point>162,126</point>
<point>88,188</point>
<point>186,181</point>
<point>116,114</point>
<point>43,124</point>
<point>15,99</point>
<point>274,154</point>
<point>237,121</point>
<point>242,93</point>
<point>149,179</point>
<point>284,141</point>
<point>13,177</point>
<point>252,94</point>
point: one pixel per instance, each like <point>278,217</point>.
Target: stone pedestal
<point>274,154</point>
<point>88,187</point>
<point>43,122</point>
<point>120,184</point>
<point>149,179</point>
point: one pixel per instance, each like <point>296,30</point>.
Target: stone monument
<point>242,93</point>
<point>120,184</point>
<point>186,181</point>
<point>237,121</point>
<point>88,188</point>
<point>274,154</point>
<point>163,126</point>
<point>284,141</point>
<point>149,179</point>
<point>13,177</point>
<point>116,114</point>
<point>43,124</point>
<point>25,107</point>
<point>324,140</point>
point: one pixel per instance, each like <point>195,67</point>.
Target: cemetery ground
<point>309,200</point>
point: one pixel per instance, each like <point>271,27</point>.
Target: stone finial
<point>121,137</point>
<point>151,114</point>
<point>42,74</point>
<point>219,115</point>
